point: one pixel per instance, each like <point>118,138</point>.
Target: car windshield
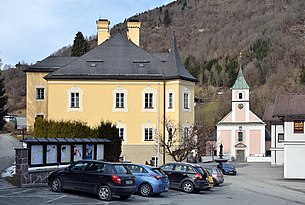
<point>210,171</point>
<point>121,169</point>
<point>228,166</point>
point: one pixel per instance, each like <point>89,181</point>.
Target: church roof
<point>120,59</point>
<point>240,82</point>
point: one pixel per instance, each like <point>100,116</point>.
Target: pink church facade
<point>241,132</point>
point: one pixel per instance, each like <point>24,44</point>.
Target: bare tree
<point>179,141</point>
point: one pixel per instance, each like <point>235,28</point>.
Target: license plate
<point>129,182</point>
<point>166,189</point>
<point>210,179</point>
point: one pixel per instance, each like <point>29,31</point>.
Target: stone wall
<point>24,176</point>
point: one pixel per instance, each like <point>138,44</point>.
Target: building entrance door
<point>240,155</point>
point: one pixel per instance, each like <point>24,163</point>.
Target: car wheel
<point>56,185</point>
<point>188,186</point>
<point>145,190</point>
<point>125,196</point>
<point>215,182</point>
<point>104,193</point>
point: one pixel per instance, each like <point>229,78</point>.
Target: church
<point>241,132</point>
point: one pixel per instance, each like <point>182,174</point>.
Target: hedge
<point>77,129</point>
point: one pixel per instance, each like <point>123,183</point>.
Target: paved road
<point>7,151</point>
<point>255,184</point>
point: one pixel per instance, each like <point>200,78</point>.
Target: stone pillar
<point>22,166</point>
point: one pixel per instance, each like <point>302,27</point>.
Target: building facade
<point>118,82</point>
<point>289,109</point>
<point>277,136</point>
<point>241,132</point>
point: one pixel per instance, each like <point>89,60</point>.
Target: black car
<point>227,168</point>
<point>186,176</point>
<point>103,178</point>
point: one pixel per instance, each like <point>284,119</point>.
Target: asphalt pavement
<point>255,184</point>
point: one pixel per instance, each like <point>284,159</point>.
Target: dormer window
<point>240,96</point>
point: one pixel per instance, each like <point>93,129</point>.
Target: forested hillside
<point>211,34</point>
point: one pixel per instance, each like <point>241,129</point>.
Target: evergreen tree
<point>302,77</point>
<point>166,19</point>
<point>3,101</point>
<point>80,45</point>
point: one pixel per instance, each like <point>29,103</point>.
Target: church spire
<point>240,82</point>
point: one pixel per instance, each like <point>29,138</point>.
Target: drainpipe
<point>275,144</point>
<point>164,119</point>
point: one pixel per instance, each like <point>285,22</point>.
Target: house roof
<point>289,105</point>
<point>118,58</point>
<point>240,82</point>
<point>174,67</point>
<point>268,114</point>
<point>50,64</point>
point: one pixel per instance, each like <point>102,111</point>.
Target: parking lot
<point>255,183</point>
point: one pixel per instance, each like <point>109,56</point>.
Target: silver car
<point>216,174</point>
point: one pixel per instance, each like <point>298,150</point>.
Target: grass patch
<point>207,113</point>
<point>12,180</point>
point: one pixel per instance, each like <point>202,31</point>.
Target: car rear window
<point>121,169</point>
<point>201,170</point>
<point>158,171</point>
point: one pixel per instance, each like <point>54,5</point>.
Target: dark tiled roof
<point>116,58</point>
<point>119,58</point>
<point>61,140</point>
<point>161,56</point>
<point>289,105</point>
<point>50,64</point>
<point>268,114</point>
<point>174,69</point>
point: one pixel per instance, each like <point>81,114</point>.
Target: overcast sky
<point>31,30</point>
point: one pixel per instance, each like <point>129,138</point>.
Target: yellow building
<point>117,81</point>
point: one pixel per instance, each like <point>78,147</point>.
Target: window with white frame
<point>121,133</point>
<point>74,100</point>
<point>186,131</point>
<point>119,96</point>
<point>186,100</point>
<point>170,100</point>
<point>148,134</point>
<point>148,101</point>
<point>40,93</point>
<point>119,100</point>
<point>280,137</point>
<point>170,134</point>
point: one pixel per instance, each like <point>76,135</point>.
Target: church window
<point>240,96</point>
<point>240,136</point>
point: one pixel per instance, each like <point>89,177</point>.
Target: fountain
<point>220,159</point>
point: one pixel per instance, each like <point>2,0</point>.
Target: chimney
<point>133,31</point>
<point>102,30</point>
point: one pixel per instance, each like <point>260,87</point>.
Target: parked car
<point>103,178</point>
<point>149,180</point>
<point>216,174</point>
<point>227,168</point>
<point>188,177</point>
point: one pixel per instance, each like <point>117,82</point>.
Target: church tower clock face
<point>240,106</point>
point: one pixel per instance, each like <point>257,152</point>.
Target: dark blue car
<point>227,168</point>
<point>149,180</point>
